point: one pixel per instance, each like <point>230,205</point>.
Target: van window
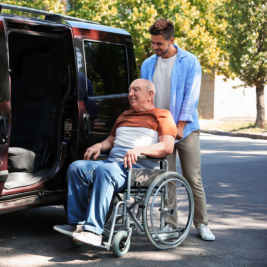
<point>106,68</point>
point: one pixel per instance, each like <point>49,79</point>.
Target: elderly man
<point>142,130</point>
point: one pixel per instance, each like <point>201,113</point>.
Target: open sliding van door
<point>37,79</point>
<point>5,108</point>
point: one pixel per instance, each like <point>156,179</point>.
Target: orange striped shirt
<point>156,119</point>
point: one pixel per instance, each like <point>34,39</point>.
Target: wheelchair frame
<point>125,217</point>
<point>130,221</point>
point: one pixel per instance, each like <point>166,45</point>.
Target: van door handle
<point>3,129</point>
<point>86,125</point>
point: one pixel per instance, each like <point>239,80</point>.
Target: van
<point>63,83</point>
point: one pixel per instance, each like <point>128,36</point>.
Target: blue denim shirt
<point>185,87</point>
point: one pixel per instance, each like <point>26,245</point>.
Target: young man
<point>143,130</point>
<point>176,75</point>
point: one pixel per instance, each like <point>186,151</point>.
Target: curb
<point>248,135</point>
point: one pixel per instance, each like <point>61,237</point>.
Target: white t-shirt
<point>137,129</point>
<point>162,81</point>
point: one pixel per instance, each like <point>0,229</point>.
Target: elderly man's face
<point>139,96</point>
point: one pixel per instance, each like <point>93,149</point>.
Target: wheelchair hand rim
<point>151,215</point>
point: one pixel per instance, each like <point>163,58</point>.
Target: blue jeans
<point>104,177</point>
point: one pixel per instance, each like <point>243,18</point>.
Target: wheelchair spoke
<point>168,221</point>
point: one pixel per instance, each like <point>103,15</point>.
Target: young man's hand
<point>180,130</point>
<point>131,157</point>
<point>93,150</point>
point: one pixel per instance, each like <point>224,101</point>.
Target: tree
<point>197,28</point>
<point>246,44</point>
<point>54,6</point>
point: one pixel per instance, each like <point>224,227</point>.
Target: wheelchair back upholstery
<point>144,177</point>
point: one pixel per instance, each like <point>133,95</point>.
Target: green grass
<point>233,126</point>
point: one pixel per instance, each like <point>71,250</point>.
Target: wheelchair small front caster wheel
<point>119,247</point>
<point>75,243</point>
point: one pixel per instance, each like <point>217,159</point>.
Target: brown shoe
<point>69,229</point>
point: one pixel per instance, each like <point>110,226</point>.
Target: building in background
<point>218,100</point>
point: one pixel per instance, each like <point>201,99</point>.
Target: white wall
<point>206,98</point>
<point>230,102</point>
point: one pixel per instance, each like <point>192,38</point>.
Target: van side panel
<point>5,108</point>
<point>107,106</point>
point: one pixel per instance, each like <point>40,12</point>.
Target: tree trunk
<point>260,121</point>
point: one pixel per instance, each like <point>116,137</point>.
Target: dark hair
<point>162,27</point>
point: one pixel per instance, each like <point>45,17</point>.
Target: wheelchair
<point>157,203</point>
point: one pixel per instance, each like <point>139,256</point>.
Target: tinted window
<point>106,68</point>
<point>132,65</point>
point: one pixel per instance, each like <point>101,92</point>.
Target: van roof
<point>98,27</point>
<point>57,18</point>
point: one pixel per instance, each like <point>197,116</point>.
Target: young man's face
<point>160,45</point>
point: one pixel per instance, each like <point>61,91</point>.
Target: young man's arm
<point>161,149</point>
<point>95,150</point>
<point>191,96</point>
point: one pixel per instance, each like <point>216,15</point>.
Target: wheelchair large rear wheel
<point>169,210</point>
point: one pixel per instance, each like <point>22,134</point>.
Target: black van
<point>62,87</point>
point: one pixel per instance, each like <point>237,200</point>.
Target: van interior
<point>39,88</point>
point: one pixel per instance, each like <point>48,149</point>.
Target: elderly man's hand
<point>93,150</point>
<point>131,157</point>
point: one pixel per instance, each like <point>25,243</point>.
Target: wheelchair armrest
<point>103,155</point>
<point>151,158</point>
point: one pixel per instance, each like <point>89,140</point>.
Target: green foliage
<point>246,40</point>
<point>54,6</point>
<point>197,28</point>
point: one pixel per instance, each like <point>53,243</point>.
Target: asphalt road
<point>234,172</point>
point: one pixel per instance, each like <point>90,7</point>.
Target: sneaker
<point>205,233</point>
<point>88,238</point>
<point>169,232</point>
<point>69,229</point>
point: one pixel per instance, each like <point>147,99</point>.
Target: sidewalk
<point>217,126</point>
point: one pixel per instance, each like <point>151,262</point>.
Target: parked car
<point>62,87</point>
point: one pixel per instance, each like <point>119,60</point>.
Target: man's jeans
<point>104,177</point>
